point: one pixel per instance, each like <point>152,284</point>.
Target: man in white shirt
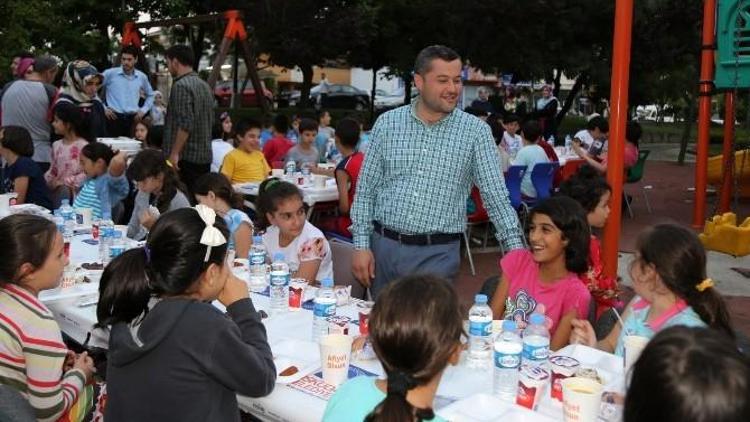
<point>594,137</point>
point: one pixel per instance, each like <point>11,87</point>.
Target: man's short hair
<point>347,130</point>
<point>423,63</point>
<point>598,122</point>
<point>182,53</point>
<point>44,63</point>
<point>132,50</point>
<point>281,124</point>
<point>308,125</point>
<point>510,118</point>
<point>531,131</point>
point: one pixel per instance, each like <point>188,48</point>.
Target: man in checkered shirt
<point>410,205</point>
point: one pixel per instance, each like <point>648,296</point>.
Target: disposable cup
<point>84,216</point>
<point>319,181</point>
<point>531,383</point>
<point>582,398</point>
<point>562,367</point>
<point>335,355</point>
<point>296,293</point>
<point>364,309</point>
<point>634,345</point>
<point>277,172</point>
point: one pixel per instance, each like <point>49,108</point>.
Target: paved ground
<point>671,202</point>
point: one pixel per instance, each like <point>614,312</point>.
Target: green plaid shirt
<point>191,109</point>
<point>416,178</point>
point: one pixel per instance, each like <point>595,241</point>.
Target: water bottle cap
<point>326,282</point>
<point>257,239</point>
<point>537,319</point>
<point>509,325</point>
<point>278,256</point>
<point>480,299</point>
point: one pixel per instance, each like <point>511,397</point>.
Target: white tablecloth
<point>311,194</point>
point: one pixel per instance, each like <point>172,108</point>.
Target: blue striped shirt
<point>416,177</point>
<point>87,198</point>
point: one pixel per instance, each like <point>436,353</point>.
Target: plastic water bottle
<point>480,333</point>
<point>324,307</point>
<point>289,168</point>
<point>66,211</point>
<point>507,359</point>
<point>106,233</point>
<point>536,342</point>
<point>257,260</point>
<point>279,284</point>
<point>117,246</point>
<point>307,172</point>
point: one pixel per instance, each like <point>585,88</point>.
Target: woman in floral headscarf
<point>81,81</point>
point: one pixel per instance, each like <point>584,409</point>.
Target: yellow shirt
<point>240,166</point>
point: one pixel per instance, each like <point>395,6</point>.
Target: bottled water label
<point>535,352</point>
<point>115,251</point>
<point>480,328</point>
<point>507,360</point>
<point>257,258</point>
<point>324,310</point>
<point>279,279</point>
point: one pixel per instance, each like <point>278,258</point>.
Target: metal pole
<point>618,119</point>
<point>727,159</point>
<point>704,112</point>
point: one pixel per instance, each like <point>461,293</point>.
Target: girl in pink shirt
<point>65,174</point>
<point>543,279</point>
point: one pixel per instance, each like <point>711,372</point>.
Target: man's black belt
<point>417,239</point>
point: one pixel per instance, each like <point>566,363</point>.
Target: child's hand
<point>234,290</point>
<point>118,164</point>
<point>147,219</point>
<point>85,364</point>
<point>583,333</point>
<point>70,360</point>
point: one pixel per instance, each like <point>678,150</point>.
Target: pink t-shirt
<point>65,166</point>
<point>527,294</point>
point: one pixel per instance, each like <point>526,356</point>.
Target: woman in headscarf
<point>546,111</point>
<point>81,82</point>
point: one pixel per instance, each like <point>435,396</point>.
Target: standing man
<point>187,126</point>
<point>123,86</point>
<point>27,102</point>
<point>409,210</point>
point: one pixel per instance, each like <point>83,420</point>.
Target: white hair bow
<point>211,235</point>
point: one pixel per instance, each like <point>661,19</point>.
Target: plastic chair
<point>570,168</point>
<point>479,216</point>
<point>341,254</point>
<point>513,178</point>
<point>634,175</point>
<point>542,176</point>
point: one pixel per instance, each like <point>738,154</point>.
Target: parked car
<point>339,96</point>
<point>223,93</point>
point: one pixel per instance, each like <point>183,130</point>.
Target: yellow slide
<point>741,168</point>
<point>722,234</point>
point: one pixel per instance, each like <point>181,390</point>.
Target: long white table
<point>459,383</point>
<point>311,195</point>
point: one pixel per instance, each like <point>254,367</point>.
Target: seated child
<point>282,213</point>
<point>689,374</point>
<point>305,152</point>
<point>276,148</point>
<point>530,155</point>
<point>34,360</point>
<point>106,184</point>
<point>246,163</point>
<point>164,329</point>
<point>65,175</point>
<point>669,278</point>
<point>214,191</point>
<point>413,353</point>
<point>219,146</point>
<point>544,279</point>
<point>22,175</point>
<point>158,185</point>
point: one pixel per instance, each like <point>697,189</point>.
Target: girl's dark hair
<point>680,260</point>
<point>98,151</point>
<point>415,327</point>
<point>270,193</point>
<point>587,187</point>
<point>689,374</point>
<point>169,264</point>
<point>18,140</point>
<point>151,162</point>
<point>220,186</point>
<point>26,239</point>
<point>70,114</point>
<point>570,218</point>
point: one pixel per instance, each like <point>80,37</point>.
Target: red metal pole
<point>727,160</point>
<point>704,112</point>
<point>618,119</point>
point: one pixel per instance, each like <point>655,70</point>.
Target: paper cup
<point>561,368</point>
<point>634,345</point>
<point>296,293</point>
<point>84,216</point>
<point>335,354</point>
<point>319,181</point>
<point>531,383</point>
<point>277,172</point>
<point>582,398</point>
<point>364,309</point>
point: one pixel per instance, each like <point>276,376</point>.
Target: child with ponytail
<point>671,286</point>
<point>413,353</point>
<point>172,354</point>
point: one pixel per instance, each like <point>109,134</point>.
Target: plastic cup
<point>84,216</point>
<point>296,293</point>
<point>277,172</point>
<point>338,324</point>
<point>634,345</point>
<point>364,309</point>
<point>531,383</point>
<point>335,355</point>
<point>561,368</point>
<point>582,398</point>
<point>319,181</point>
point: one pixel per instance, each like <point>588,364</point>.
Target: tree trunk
<point>307,76</point>
<point>372,93</point>
<point>686,128</point>
<point>406,76</point>
<point>196,43</point>
<point>747,114</point>
<point>556,88</point>
<point>569,100</point>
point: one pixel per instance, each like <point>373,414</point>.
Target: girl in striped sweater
<point>105,184</point>
<point>33,358</point>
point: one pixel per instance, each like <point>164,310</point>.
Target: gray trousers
<point>394,259</point>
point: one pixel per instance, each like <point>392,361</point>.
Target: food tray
<point>305,355</point>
